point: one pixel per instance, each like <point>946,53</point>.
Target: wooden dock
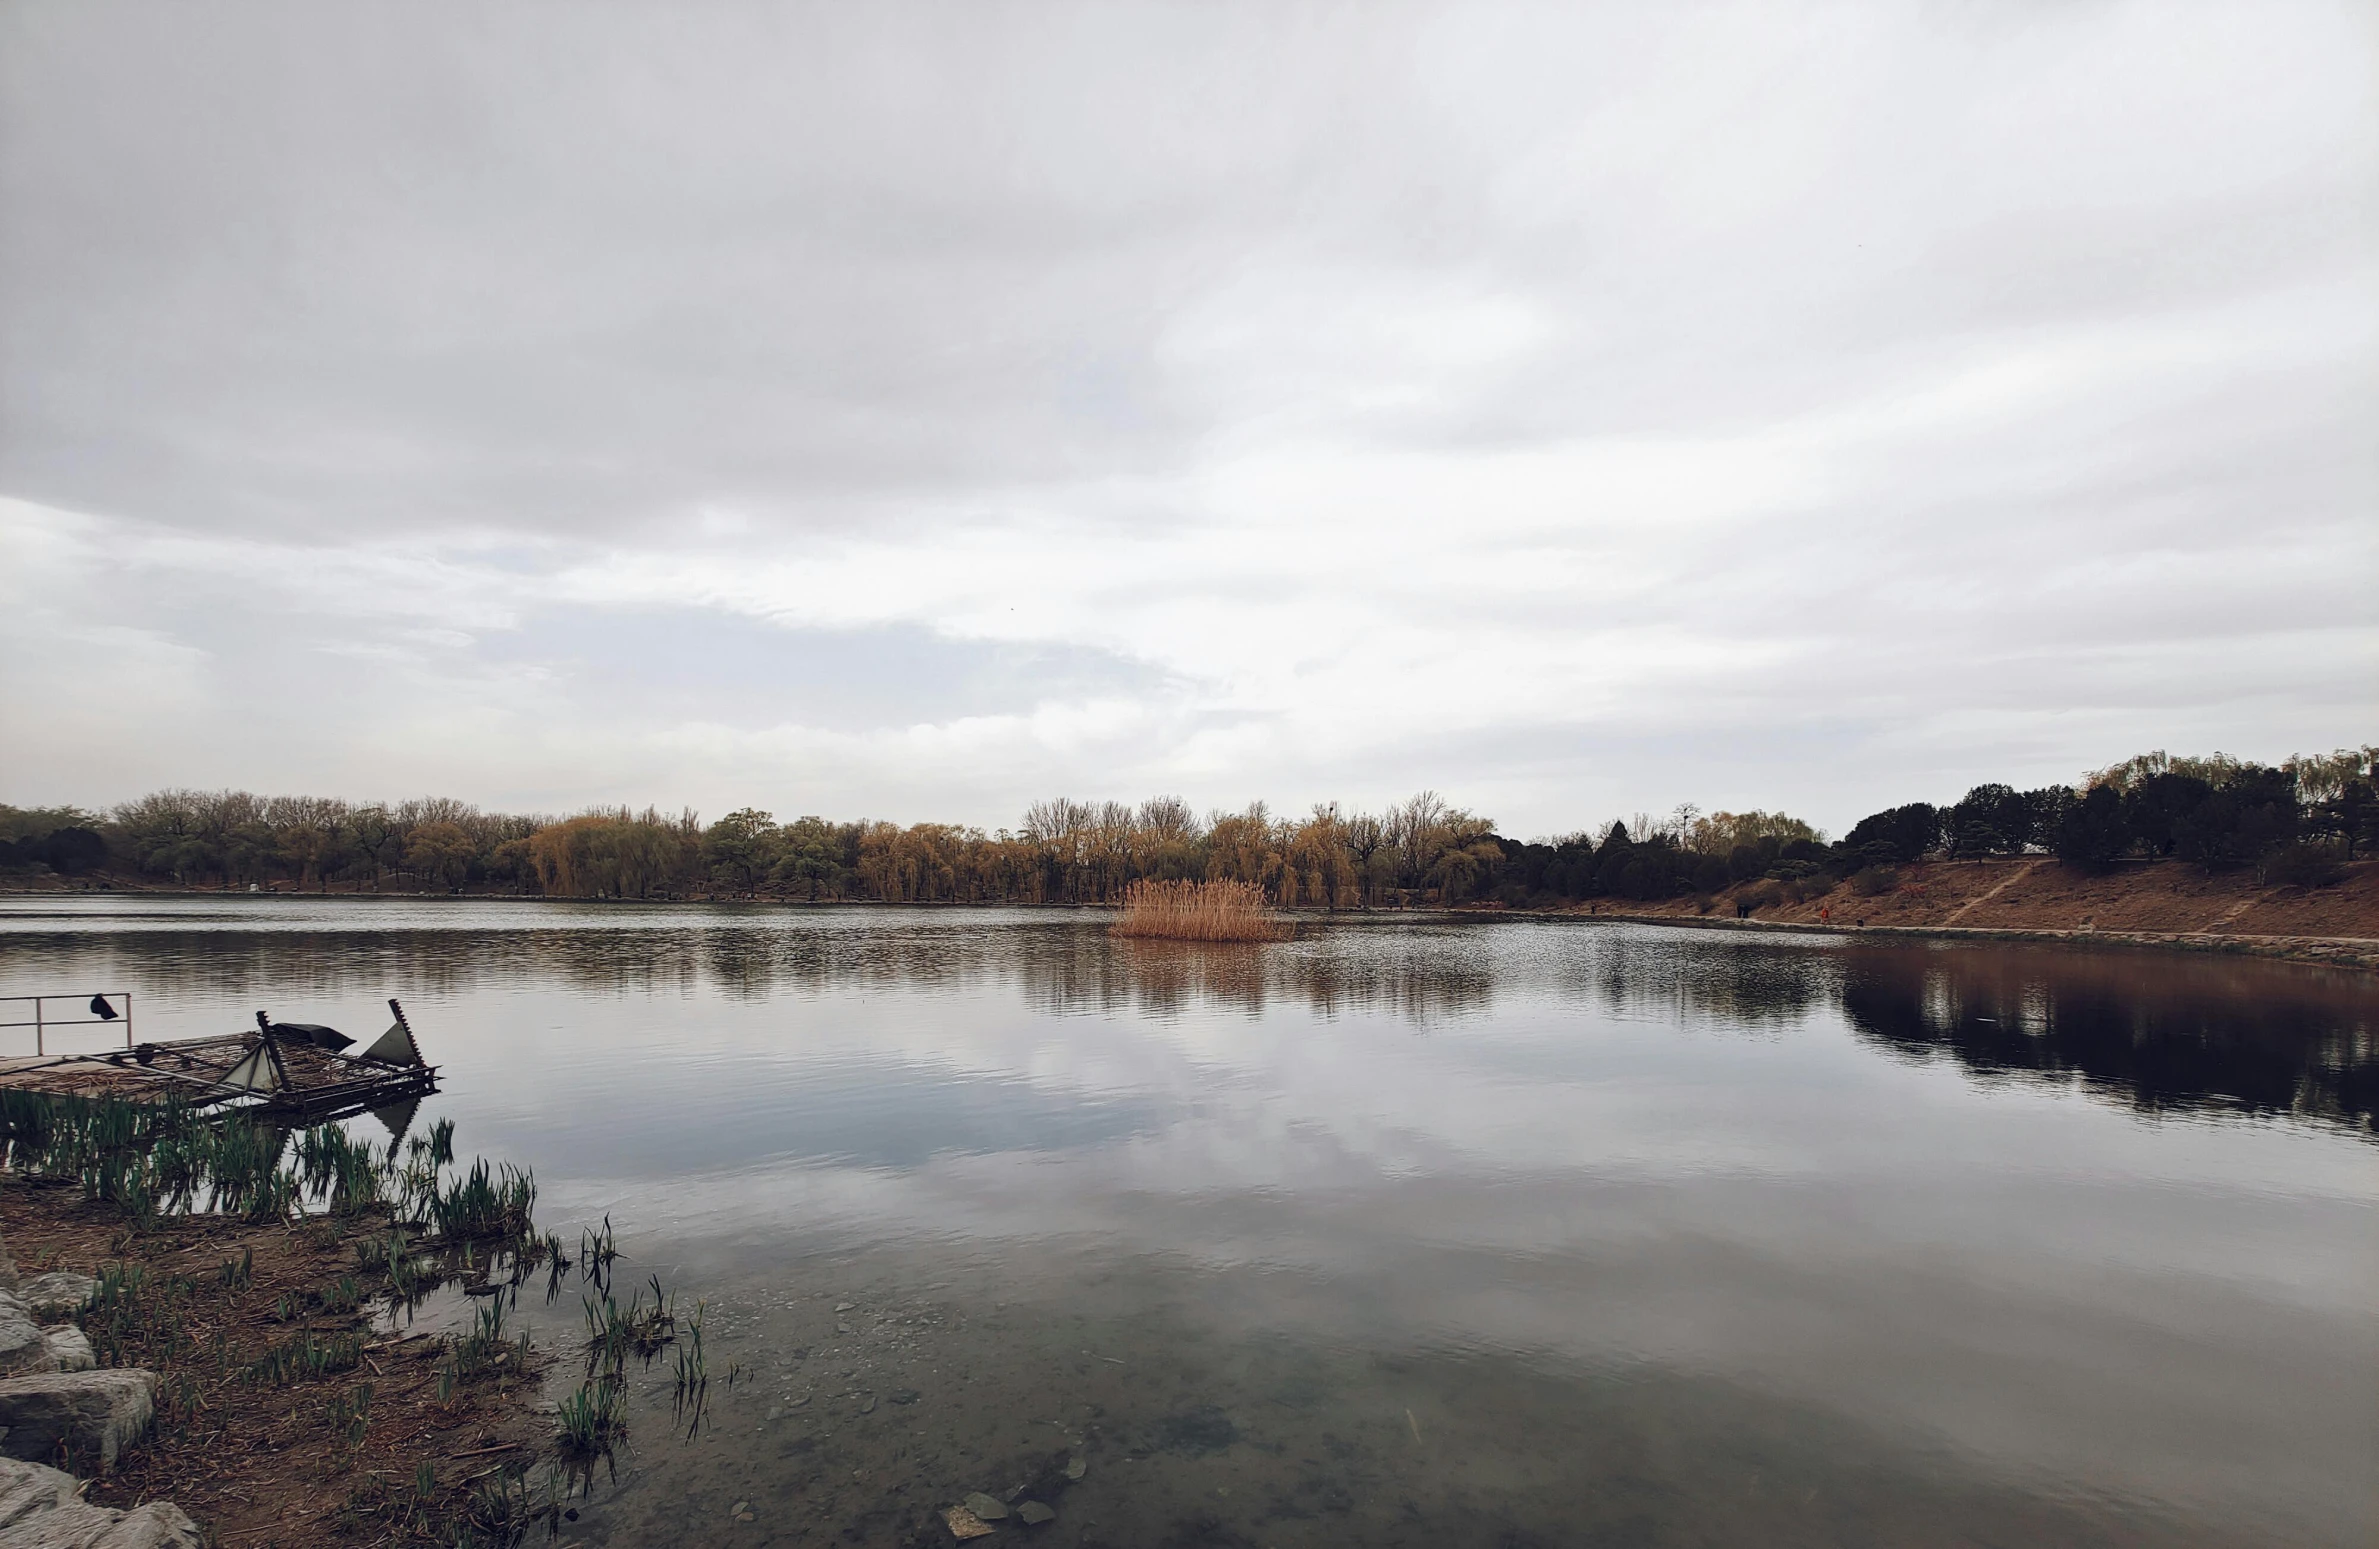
<point>289,1072</point>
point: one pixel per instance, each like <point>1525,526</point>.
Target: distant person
<point>1825,914</point>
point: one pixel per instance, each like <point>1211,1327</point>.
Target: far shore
<point>2155,904</point>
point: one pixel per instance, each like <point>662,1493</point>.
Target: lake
<point>1408,1231</point>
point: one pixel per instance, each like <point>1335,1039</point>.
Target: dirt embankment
<point>2166,903</point>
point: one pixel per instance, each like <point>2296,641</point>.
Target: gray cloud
<point>1580,408</point>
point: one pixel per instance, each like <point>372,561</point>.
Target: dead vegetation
<point>1198,911</point>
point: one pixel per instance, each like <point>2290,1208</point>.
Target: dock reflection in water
<point>1496,1233</point>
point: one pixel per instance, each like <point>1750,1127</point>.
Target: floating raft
<point>284,1070</point>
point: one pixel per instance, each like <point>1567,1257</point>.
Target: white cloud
<point>1576,410</point>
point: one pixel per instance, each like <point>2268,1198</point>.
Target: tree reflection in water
<point>2162,1032</point>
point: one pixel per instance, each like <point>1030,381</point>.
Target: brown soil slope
<point>2167,900</point>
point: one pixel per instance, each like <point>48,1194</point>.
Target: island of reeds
<point>1197,911</point>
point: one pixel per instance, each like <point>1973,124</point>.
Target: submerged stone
<point>1033,1513</point>
<point>1203,1430</point>
<point>989,1507</point>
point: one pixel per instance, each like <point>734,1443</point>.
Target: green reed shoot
<point>591,1421</point>
<point>350,1413</point>
<point>305,1358</point>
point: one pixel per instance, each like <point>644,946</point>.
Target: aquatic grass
<point>487,1345</point>
<point>502,1509</point>
<point>597,1250</point>
<point>346,1172</point>
<point>640,1329</point>
<point>557,1264</point>
<point>693,1375</point>
<point>1197,911</point>
<point>484,1202</point>
<point>590,1422</point>
<point>155,1158</point>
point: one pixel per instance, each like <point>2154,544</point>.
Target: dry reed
<point>1197,911</point>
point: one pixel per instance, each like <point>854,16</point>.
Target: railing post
<point>38,1049</point>
<point>127,1019</point>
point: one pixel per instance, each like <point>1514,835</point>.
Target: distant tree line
<point>2297,821</point>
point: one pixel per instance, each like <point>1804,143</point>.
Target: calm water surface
<point>1403,1232</point>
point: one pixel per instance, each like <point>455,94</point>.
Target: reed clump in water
<point>1197,911</point>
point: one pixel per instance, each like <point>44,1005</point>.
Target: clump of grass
<point>596,1250</point>
<point>641,1328</point>
<point>306,1357</point>
<point>483,1203</point>
<point>1197,911</point>
<point>350,1414</point>
<point>345,1171</point>
<point>693,1373</point>
<point>487,1346</point>
<point>590,1422</point>
<point>132,1311</point>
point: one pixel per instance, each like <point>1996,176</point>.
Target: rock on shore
<point>40,1510</point>
<point>96,1414</point>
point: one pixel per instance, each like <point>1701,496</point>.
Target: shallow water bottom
<point>850,1407</point>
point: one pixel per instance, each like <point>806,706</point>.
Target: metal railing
<point>42,1022</point>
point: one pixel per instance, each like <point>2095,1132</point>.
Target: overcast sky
<point>912,411</point>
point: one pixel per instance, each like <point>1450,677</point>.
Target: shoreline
<point>302,1337</point>
<point>2142,888</point>
<point>208,1300</point>
<point>2359,952</point>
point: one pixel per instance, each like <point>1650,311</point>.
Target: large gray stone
<point>23,1347</point>
<point>61,1293</point>
<point>39,1510</point>
<point>95,1414</point>
<point>27,1488</point>
<point>72,1347</point>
